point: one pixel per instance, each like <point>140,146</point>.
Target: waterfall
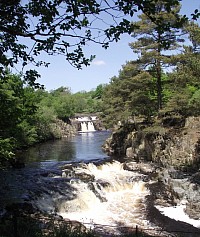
<point>87,124</point>
<point>91,127</point>
<point>84,127</point>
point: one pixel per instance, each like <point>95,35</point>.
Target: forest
<point>28,114</point>
<point>163,79</point>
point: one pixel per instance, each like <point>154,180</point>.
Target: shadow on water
<point>84,146</point>
<point>58,150</point>
<point>42,165</point>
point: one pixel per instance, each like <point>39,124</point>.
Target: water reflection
<point>84,146</point>
<point>58,150</point>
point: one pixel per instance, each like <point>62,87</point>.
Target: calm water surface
<point>82,147</point>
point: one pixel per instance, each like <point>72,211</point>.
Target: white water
<point>83,127</point>
<point>91,127</point>
<point>110,197</point>
<point>87,126</point>
<point>123,197</point>
<point>178,213</point>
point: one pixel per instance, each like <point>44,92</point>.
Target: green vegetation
<point>143,86</point>
<point>27,114</point>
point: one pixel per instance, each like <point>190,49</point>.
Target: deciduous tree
<point>29,28</point>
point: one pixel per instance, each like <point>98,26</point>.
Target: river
<point>72,177</point>
<point>82,147</point>
<point>44,160</point>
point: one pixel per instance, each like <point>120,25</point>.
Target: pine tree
<point>153,44</point>
<point>186,85</point>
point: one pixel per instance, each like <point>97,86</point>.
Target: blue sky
<point>106,64</point>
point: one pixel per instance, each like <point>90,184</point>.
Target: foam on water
<point>178,213</point>
<point>107,195</point>
<point>122,197</point>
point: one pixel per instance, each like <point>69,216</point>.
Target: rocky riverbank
<point>64,129</point>
<point>22,219</point>
<point>173,145</point>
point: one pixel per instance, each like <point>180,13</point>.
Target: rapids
<point>101,194</point>
<point>114,196</point>
<point>73,178</point>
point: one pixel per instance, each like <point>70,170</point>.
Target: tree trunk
<point>159,85</point>
<point>159,76</point>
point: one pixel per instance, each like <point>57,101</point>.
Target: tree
<point>61,102</point>
<point>11,104</point>
<point>98,91</point>
<point>185,78</point>
<point>31,27</point>
<point>17,105</point>
<point>80,102</point>
<point>128,95</point>
<point>153,44</point>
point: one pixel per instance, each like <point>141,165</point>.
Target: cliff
<point>172,146</point>
<point>173,141</point>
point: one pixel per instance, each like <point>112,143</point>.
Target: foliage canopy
<point>135,90</point>
<point>28,28</point>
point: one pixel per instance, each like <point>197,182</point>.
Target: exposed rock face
<point>175,148</point>
<point>99,125</point>
<point>119,140</point>
<point>64,129</point>
<point>177,145</point>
